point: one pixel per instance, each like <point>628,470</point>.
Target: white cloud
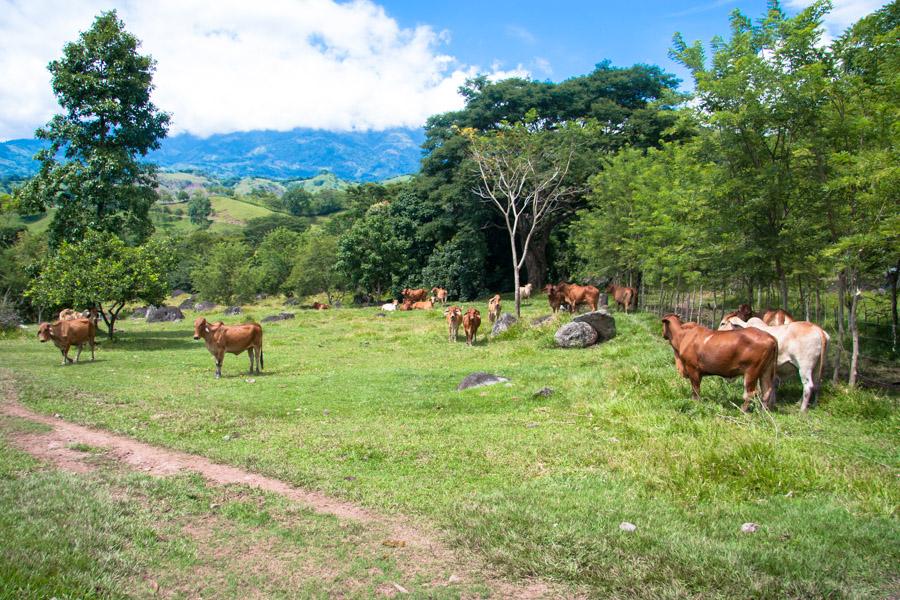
<point>232,65</point>
<point>843,14</point>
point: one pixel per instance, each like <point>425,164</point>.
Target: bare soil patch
<point>419,552</point>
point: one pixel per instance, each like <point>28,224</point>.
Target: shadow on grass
<point>153,340</point>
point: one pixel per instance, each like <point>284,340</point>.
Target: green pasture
<point>364,406</point>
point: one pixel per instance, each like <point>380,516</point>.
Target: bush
<point>9,318</point>
<point>458,265</point>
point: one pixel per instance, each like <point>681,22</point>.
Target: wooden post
<point>854,333</point>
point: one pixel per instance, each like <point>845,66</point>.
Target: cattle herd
<point>758,346</point>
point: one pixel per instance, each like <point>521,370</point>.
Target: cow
<point>65,334</point>
<point>389,306</point>
<point>555,297</point>
<point>494,308</point>
<point>700,351</point>
<point>405,305</point>
<point>416,295</point>
<point>320,306</point>
<point>454,318</point>
<point>801,345</point>
<point>425,305</point>
<point>67,314</point>
<point>525,291</point>
<point>440,295</point>
<point>625,297</point>
<point>221,338</point>
<point>575,294</point>
<point>770,316</point>
<point>471,322</point>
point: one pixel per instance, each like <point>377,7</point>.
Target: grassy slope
<point>365,407</point>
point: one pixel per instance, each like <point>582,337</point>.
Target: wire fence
<point>879,354</point>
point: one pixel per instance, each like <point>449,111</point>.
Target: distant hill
<point>297,154</point>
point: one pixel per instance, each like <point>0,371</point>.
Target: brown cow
<point>554,296</point>
<point>416,295</point>
<point>700,351</point>
<point>625,297</point>
<point>320,306</point>
<point>221,338</point>
<point>575,294</point>
<point>425,305</point>
<point>440,294</point>
<point>405,305</point>
<point>471,322</point>
<point>454,318</point>
<point>67,314</point>
<point>770,316</point>
<point>65,334</point>
<point>494,308</point>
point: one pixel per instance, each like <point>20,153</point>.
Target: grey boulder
<point>204,306</point>
<point>279,317</point>
<point>479,379</point>
<point>503,323</point>
<point>576,335</point>
<point>162,314</point>
<point>602,322</point>
<point>233,310</point>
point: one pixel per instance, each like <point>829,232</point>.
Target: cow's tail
<point>821,366</point>
<point>769,374</point>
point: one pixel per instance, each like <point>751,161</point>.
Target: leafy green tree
<point>297,201</point>
<point>315,268</point>
<point>199,210</point>
<point>103,86</point>
<point>227,274</point>
<point>458,265</point>
<point>258,228</point>
<point>275,257</point>
<point>375,252</point>
<point>102,269</point>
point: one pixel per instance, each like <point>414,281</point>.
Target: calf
<point>221,338</point>
<point>67,314</point>
<point>494,308</point>
<point>416,295</point>
<point>426,305</point>
<point>440,294</point>
<point>389,306</point>
<point>320,306</point>
<point>625,297</point>
<point>454,318</point>
<point>471,322</point>
<point>770,316</point>
<point>525,291</point>
<point>65,334</point>
<point>801,345</point>
<point>700,351</point>
<point>554,296</point>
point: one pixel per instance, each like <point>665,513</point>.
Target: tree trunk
<point>536,256</point>
<point>893,281</point>
<point>854,333</point>
<point>839,317</point>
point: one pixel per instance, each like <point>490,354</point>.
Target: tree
<point>297,201</point>
<point>227,274</point>
<point>102,269</point>
<point>374,253</point>
<point>275,257</point>
<point>524,175</point>
<point>315,265</point>
<point>199,210</point>
<point>104,86</point>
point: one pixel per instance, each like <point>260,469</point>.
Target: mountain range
<point>300,153</point>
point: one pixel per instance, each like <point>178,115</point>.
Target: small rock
<point>544,391</point>
<point>176,293</point>
<point>380,314</point>
<point>204,306</point>
<point>140,312</point>
<point>453,579</point>
<point>626,526</point>
<point>400,588</point>
<point>186,304</point>
<point>279,317</point>
<point>57,416</point>
<point>479,379</point>
<point>393,543</point>
<point>541,320</point>
<point>531,425</point>
<point>575,335</point>
<point>233,310</point>
<point>749,528</point>
<point>251,380</point>
<point>503,323</point>
<point>291,302</point>
<point>262,296</point>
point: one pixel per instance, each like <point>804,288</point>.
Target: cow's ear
<point>206,328</point>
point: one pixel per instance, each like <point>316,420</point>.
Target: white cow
<point>389,306</point>
<point>801,345</point>
<point>525,291</point>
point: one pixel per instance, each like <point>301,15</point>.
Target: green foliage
<point>458,266</point>
<point>315,269</point>
<point>275,258</point>
<point>199,210</point>
<point>258,228</point>
<point>297,201</point>
<point>104,86</point>
<point>375,253</point>
<point>227,274</point>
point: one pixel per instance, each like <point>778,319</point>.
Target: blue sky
<point>234,65</point>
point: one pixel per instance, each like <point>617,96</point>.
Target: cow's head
<point>669,321</point>
<point>201,328</point>
<point>454,312</point>
<point>44,332</point>
<point>744,311</point>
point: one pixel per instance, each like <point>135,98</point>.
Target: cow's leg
<point>78,354</point>
<point>219,358</point>
<point>92,349</point>
<point>250,356</point>
<point>696,379</point>
<point>750,379</point>
<point>809,389</point>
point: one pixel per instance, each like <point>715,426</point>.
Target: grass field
<point>364,407</point>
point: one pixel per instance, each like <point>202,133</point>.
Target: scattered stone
<point>393,543</point>
<point>187,304</point>
<point>291,302</point>
<point>545,392</point>
<point>400,588</point>
<point>531,425</point>
<point>626,526</point>
<point>279,317</point>
<point>262,296</point>
<point>502,324</point>
<point>602,322</point>
<point>251,380</point>
<point>163,314</point>
<point>453,579</point>
<point>575,335</point>
<point>176,293</point>
<point>542,320</point>
<point>480,379</point>
<point>204,306</point>
<point>140,312</point>
<point>380,314</point>
<point>233,310</point>
<point>749,528</point>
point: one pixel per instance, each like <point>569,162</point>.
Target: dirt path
<point>423,551</point>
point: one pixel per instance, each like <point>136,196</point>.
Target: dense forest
<point>780,171</point>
